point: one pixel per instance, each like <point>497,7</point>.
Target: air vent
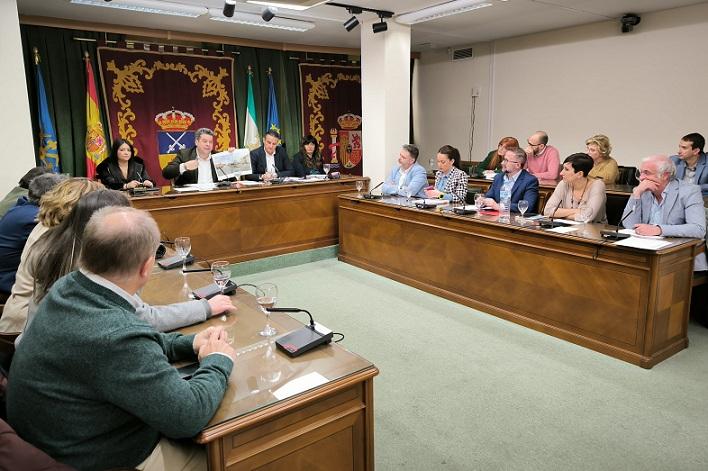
<point>461,54</point>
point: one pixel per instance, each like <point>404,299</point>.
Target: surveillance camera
<point>629,21</point>
<point>269,13</point>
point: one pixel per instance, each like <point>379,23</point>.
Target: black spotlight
<point>379,27</point>
<point>269,13</point>
<point>351,23</point>
<point>229,8</point>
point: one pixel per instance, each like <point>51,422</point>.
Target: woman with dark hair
<point>58,252</point>
<point>578,196</point>
<point>450,181</point>
<point>494,158</point>
<point>123,170</point>
<point>309,160</point>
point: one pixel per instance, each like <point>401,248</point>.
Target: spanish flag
<point>95,138</point>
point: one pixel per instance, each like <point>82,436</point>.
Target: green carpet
<point>463,390</point>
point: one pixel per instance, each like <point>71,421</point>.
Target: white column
<point>15,121</point>
<point>385,96</point>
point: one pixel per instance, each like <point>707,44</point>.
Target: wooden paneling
<point>253,222</point>
<point>623,302</point>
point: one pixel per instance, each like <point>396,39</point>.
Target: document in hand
<point>232,164</point>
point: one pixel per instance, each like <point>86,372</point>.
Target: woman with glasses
<point>605,167</point>
<point>450,181</point>
<point>577,196</point>
<point>494,158</point>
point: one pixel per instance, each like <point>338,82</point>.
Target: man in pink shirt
<point>543,160</point>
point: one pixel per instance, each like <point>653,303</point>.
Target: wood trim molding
<point>166,35</point>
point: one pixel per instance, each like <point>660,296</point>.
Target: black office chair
<point>627,176</point>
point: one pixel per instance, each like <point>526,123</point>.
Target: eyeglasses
<point>510,161</point>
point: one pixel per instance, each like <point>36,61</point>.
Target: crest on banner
<point>174,133</point>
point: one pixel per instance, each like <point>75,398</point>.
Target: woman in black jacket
<point>309,160</point>
<point>123,170</point>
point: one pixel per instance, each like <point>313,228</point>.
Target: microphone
<point>304,339</point>
<point>369,196</point>
<point>615,235</point>
<point>196,270</point>
<point>551,224</point>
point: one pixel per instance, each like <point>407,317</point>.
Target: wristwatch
<point>441,195</point>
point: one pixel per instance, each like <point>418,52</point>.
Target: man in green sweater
<point>92,385</point>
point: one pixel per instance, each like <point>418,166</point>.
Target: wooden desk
<point>253,222</point>
<point>324,427</point>
<point>627,303</point>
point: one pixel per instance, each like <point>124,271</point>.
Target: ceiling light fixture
<point>148,6</point>
<point>351,23</point>
<point>289,4</point>
<point>379,27</point>
<point>229,8</point>
<point>439,11</point>
<point>251,19</point>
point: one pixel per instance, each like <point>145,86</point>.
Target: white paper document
<point>436,201</point>
<point>634,234</point>
<point>643,243</point>
<point>298,385</point>
<point>563,230</point>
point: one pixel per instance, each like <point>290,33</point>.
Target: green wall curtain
<point>65,79</point>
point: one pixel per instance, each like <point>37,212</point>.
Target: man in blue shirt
<point>691,164</point>
<point>408,175</point>
<point>16,226</point>
<point>514,180</point>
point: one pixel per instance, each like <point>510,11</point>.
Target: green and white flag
<point>251,139</point>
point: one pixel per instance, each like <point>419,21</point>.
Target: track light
<point>351,23</point>
<point>379,27</point>
<point>269,13</point>
<point>229,8</point>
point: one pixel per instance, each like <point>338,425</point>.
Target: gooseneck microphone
<point>369,196</point>
<point>304,339</point>
<point>551,224</point>
<point>615,235</point>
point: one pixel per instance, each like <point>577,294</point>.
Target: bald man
<point>92,384</point>
<point>543,160</point>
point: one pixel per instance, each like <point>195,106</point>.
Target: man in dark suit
<point>514,178</point>
<point>194,165</point>
<point>270,160</point>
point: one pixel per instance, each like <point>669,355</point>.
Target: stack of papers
<point>435,201</point>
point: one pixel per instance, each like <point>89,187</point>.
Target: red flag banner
<point>157,100</point>
<point>331,111</point>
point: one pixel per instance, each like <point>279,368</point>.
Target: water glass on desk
<point>266,297</point>
<point>221,271</point>
<point>326,168</point>
<point>359,186</point>
<point>523,205</point>
<point>183,245</point>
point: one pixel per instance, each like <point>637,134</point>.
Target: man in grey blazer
<point>691,161</point>
<point>662,205</point>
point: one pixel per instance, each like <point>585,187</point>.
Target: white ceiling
<point>503,19</point>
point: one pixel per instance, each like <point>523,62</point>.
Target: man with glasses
<point>543,160</point>
<point>515,180</point>
<point>409,175</point>
<point>691,162</point>
<point>663,205</point>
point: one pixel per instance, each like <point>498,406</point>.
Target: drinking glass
<point>523,206</point>
<point>326,168</point>
<point>478,199</point>
<point>359,186</point>
<point>183,245</point>
<point>409,192</point>
<point>221,271</point>
<point>266,296</point>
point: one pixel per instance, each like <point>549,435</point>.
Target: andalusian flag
<point>95,138</point>
<point>251,139</point>
<point>273,121</point>
<point>48,152</point>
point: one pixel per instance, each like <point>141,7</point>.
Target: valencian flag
<point>48,152</point>
<point>251,139</point>
<point>273,121</point>
<point>95,137</point>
